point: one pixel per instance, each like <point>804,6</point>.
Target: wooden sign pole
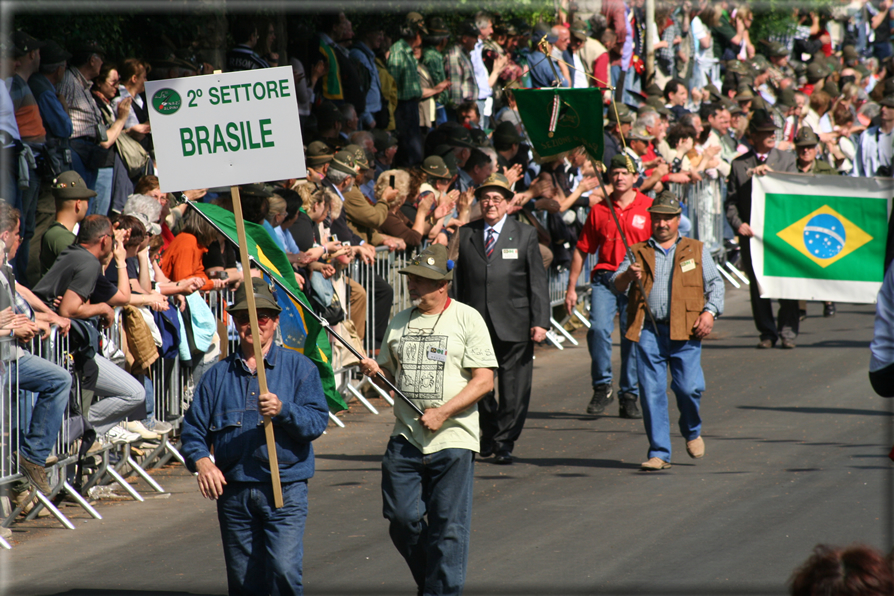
<point>256,341</point>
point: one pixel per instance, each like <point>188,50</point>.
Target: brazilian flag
<point>300,332</point>
<point>559,120</point>
<point>820,237</point>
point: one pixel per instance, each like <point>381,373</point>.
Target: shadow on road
<point>810,410</point>
<point>127,593</point>
<point>374,458</point>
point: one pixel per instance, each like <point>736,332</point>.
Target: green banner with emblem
<point>559,120</point>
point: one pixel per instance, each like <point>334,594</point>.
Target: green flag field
<point>820,237</point>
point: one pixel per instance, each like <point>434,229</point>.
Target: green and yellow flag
<point>820,237</point>
<point>559,120</point>
<point>300,331</point>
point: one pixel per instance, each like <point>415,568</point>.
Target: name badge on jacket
<point>687,265</point>
<point>510,253</point>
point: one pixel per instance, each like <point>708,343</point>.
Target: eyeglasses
<point>493,200</point>
<point>243,318</point>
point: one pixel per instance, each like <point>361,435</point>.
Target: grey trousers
<point>119,395</point>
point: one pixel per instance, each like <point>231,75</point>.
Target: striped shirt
<point>27,113</point>
<point>458,67</point>
<point>660,295</point>
<point>402,66</point>
<point>84,113</point>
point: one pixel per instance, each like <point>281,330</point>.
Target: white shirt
<point>497,228</point>
<point>580,77</point>
<point>480,71</point>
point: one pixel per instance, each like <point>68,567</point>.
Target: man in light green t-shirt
<point>439,354</point>
<point>72,200</point>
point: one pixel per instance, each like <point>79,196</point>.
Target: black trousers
<point>788,319</point>
<point>502,420</point>
<point>409,134</point>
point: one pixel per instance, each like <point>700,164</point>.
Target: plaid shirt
<point>434,62</point>
<point>458,67</point>
<point>81,107</point>
<point>402,66</point>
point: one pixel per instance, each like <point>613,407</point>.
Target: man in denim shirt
<point>262,545</point>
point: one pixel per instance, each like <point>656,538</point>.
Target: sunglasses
<point>243,318</point>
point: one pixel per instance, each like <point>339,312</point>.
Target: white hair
<point>647,119</point>
<point>492,154</point>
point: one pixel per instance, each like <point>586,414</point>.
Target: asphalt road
<point>796,455</point>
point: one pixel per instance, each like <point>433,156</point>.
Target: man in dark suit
<point>499,272</point>
<point>763,158</point>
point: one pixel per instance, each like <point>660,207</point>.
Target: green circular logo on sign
<point>166,101</point>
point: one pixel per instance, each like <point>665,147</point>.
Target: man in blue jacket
<point>263,545</point>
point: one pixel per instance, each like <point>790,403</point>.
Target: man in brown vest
<point>685,293</point>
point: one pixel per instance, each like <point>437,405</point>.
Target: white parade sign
<point>226,129</point>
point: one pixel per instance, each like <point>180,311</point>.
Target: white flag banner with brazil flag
<point>299,330</point>
<point>820,237</point>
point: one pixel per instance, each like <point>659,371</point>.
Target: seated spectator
<point>148,211</point>
<point>50,382</point>
<point>72,197</point>
<point>276,214</point>
<point>72,280</point>
<point>183,258</point>
<point>137,243</point>
<point>430,212</point>
<point>478,167</point>
<point>293,210</point>
<point>316,242</point>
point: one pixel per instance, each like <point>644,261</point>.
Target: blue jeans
<point>656,353</point>
<point>52,384</point>
<point>604,305</point>
<point>428,500</point>
<point>28,209</point>
<point>484,120</point>
<point>263,546</point>
<point>440,114</point>
<point>103,200</point>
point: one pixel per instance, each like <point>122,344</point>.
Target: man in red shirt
<point>601,234</point>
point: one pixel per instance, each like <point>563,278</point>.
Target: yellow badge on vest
<point>687,265</point>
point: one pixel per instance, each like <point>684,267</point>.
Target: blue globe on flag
<point>824,236</point>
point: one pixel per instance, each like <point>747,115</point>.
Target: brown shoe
<point>36,474</point>
<point>696,448</point>
<point>19,497</point>
<point>656,463</point>
<point>765,344</point>
<point>788,344</point>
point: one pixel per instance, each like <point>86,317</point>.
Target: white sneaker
<point>135,426</point>
<point>119,436</point>
<point>161,427</point>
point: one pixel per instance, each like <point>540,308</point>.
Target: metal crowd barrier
<point>706,211</point>
<point>558,279</point>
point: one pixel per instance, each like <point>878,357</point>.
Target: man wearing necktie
<point>499,272</point>
<point>763,158</point>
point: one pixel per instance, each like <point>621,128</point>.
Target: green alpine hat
<point>70,186</point>
<point>263,297</point>
<point>431,263</point>
<point>666,202</point>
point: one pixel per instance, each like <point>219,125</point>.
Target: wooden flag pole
<point>256,341</point>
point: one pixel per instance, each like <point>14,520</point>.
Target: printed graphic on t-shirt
<point>422,360</point>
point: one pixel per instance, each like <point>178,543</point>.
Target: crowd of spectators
<point>400,127</point>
